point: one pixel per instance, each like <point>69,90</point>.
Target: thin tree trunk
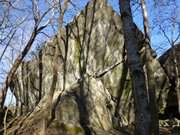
<point>150,73</point>
<point>175,66</point>
<point>142,114</point>
<point>177,77</point>
<point>122,82</point>
<point>40,75</point>
<point>63,9</point>
<point>17,63</point>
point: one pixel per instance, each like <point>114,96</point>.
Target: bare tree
<point>37,28</point>
<point>149,70</point>
<point>168,25</point>
<point>142,114</point>
<point>174,54</point>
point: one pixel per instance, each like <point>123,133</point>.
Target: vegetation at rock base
<point>89,67</point>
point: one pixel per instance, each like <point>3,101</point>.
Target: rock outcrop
<point>167,62</point>
<point>94,82</point>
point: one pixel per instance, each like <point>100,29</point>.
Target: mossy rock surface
<point>94,82</point>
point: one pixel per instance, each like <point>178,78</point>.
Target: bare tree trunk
<point>142,114</point>
<point>18,60</point>
<point>63,9</point>
<point>150,73</point>
<point>175,73</point>
<point>40,75</point>
<point>177,77</point>
<point>16,65</point>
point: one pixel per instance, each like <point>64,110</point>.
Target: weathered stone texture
<point>92,50</point>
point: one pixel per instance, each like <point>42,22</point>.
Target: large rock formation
<point>167,62</point>
<point>94,83</point>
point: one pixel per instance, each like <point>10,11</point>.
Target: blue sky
<point>159,43</point>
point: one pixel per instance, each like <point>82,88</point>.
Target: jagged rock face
<point>167,62</point>
<point>91,57</point>
<point>98,112</point>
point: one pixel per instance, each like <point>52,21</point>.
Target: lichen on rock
<point>88,102</point>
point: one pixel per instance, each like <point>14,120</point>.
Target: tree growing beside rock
<point>96,74</point>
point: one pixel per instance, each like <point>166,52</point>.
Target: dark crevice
<point>40,75</point>
<point>83,112</point>
<point>171,110</point>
